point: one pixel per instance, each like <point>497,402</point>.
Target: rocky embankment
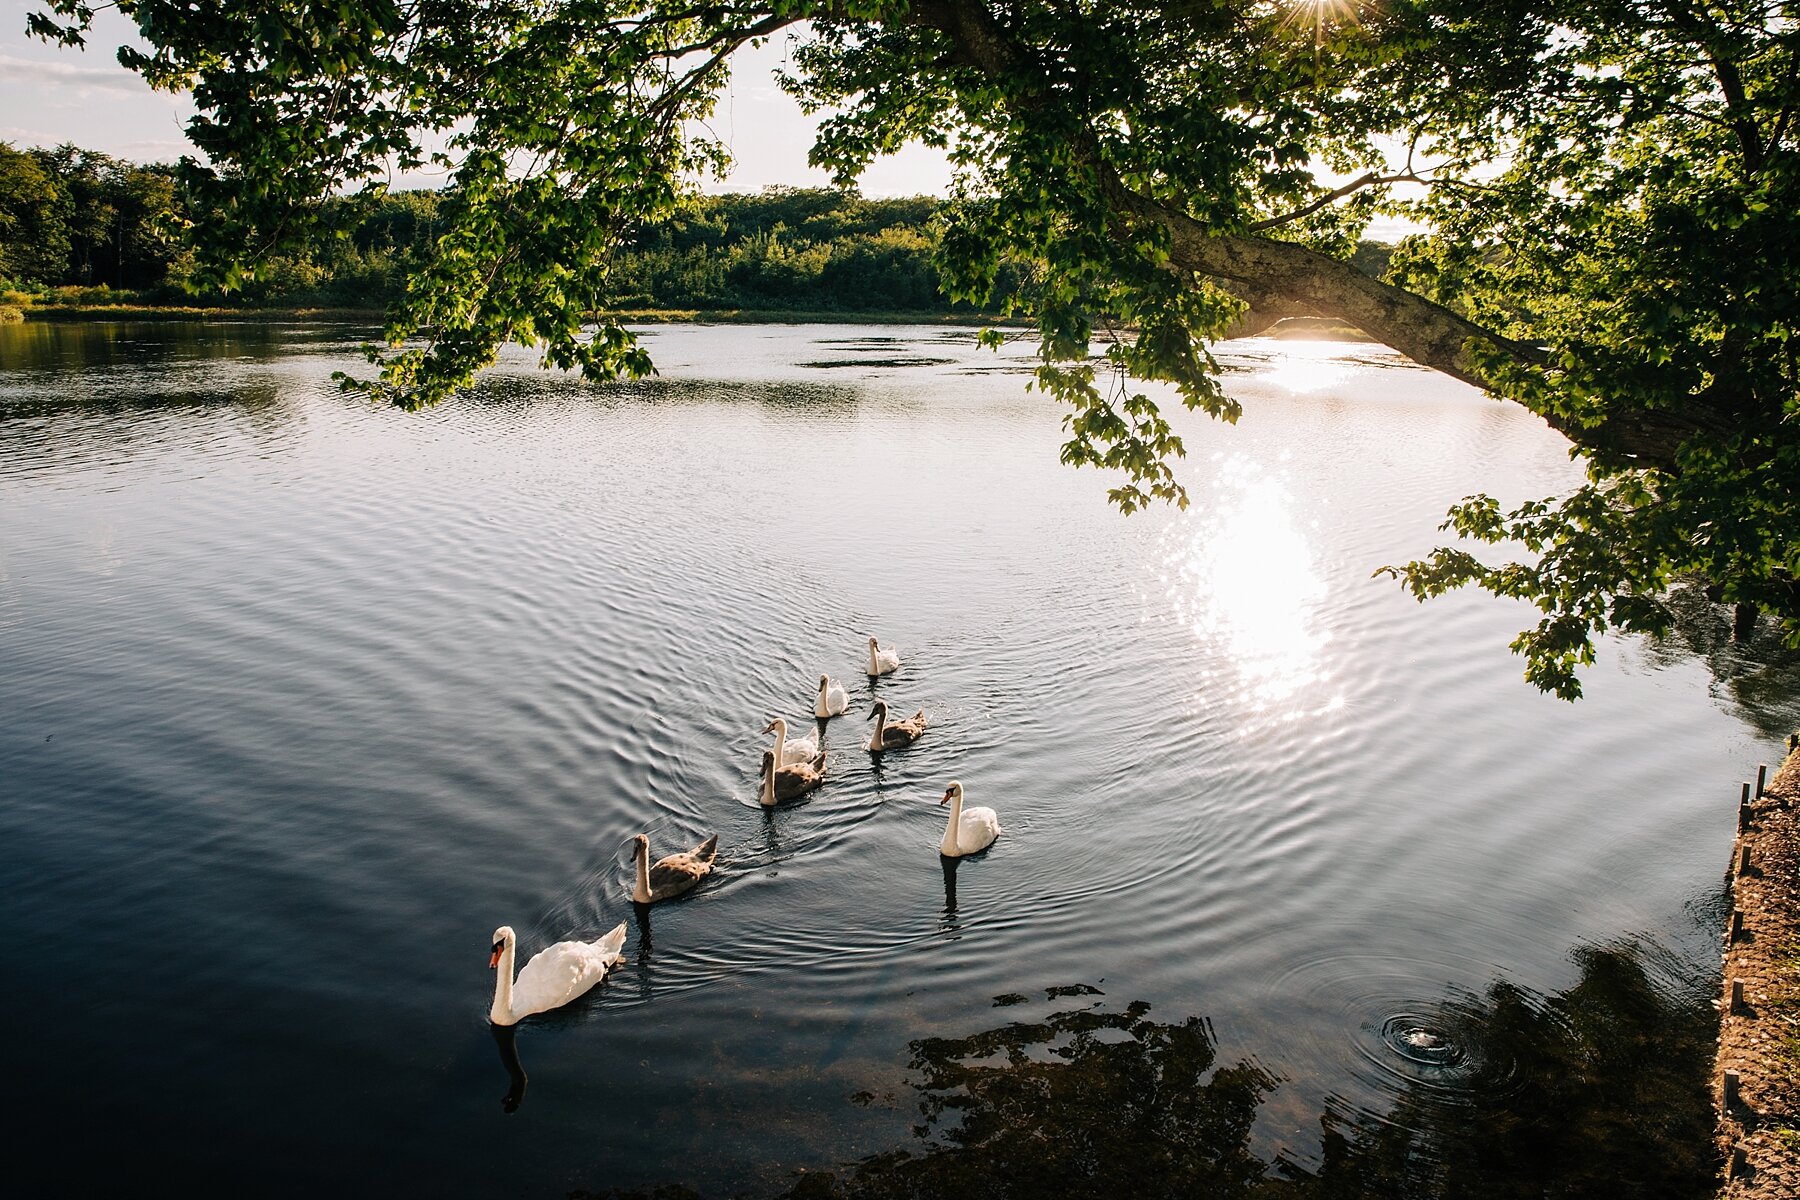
<point>1757,1081</point>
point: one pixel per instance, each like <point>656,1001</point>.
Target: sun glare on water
<point>1242,575</point>
<point>1304,367</point>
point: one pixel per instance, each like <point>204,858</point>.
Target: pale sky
<point>50,95</point>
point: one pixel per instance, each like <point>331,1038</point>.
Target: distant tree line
<point>75,217</point>
<point>78,219</point>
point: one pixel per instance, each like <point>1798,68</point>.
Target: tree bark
<point>1279,279</point>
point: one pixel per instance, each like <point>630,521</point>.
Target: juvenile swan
<point>833,699</point>
<point>882,662</point>
<point>785,783</point>
<point>674,874</point>
<point>800,750</point>
<point>897,734</point>
<point>554,976</point>
<point>969,830</point>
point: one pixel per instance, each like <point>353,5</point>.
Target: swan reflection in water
<point>506,1037</point>
<point>950,924</point>
<point>641,915</point>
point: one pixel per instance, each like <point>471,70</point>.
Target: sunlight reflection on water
<point>1303,367</point>
<point>1243,575</point>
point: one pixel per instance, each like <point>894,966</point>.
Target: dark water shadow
<point>506,1039</point>
<point>1757,676</point>
<point>59,347</point>
<point>904,360</point>
<point>1599,1090</point>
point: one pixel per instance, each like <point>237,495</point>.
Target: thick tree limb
<point>1286,279</point>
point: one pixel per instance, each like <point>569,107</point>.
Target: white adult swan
<point>554,976</point>
<point>833,699</point>
<point>969,830</point>
<point>800,750</point>
<point>673,874</point>
<point>785,783</point>
<point>882,662</point>
<point>891,735</point>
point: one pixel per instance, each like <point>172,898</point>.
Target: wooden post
<point>1743,858</point>
<point>1744,795</point>
<point>1737,995</point>
<point>1762,777</point>
<point>1731,1089</point>
<point>1740,1158</point>
<point>1793,742</point>
<point>1737,926</point>
<point>1744,814</point>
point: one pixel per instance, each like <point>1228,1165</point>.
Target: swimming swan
<point>833,699</point>
<point>554,976</point>
<point>789,782</point>
<point>882,662</point>
<point>800,750</point>
<point>899,733</point>
<point>672,875</point>
<point>969,830</point>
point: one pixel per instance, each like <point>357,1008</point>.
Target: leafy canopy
<point>1612,185</point>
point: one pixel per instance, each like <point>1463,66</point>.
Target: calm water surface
<point>299,699</point>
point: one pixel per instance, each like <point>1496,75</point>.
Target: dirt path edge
<point>1756,1081</point>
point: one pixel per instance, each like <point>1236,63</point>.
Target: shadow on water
<point>77,346</point>
<point>506,1038</point>
<point>783,395</point>
<point>1758,675</point>
<point>1597,1090</point>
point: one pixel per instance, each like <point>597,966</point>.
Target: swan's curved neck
<point>780,740</point>
<point>950,845</point>
<point>874,666</point>
<point>641,893</point>
<point>768,791</point>
<point>877,739</point>
<point>501,1013</point>
<point>822,697</point>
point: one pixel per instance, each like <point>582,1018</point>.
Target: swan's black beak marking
<point>495,961</point>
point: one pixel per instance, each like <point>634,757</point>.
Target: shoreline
<point>1292,328</point>
<point>70,313</point>
<point>1756,1078</point>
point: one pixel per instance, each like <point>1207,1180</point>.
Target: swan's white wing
<point>979,828</point>
<point>836,700</point>
<point>558,974</point>
<point>799,750</point>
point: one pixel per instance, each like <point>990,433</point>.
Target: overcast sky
<point>50,95</point>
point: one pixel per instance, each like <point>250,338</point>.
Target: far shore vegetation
<point>86,236</point>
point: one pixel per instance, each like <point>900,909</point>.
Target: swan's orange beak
<point>946,798</point>
<point>495,961</point>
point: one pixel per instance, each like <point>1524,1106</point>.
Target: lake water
<point>300,698</point>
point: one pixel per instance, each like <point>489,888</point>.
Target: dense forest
<point>79,227</point>
<point>73,222</point>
